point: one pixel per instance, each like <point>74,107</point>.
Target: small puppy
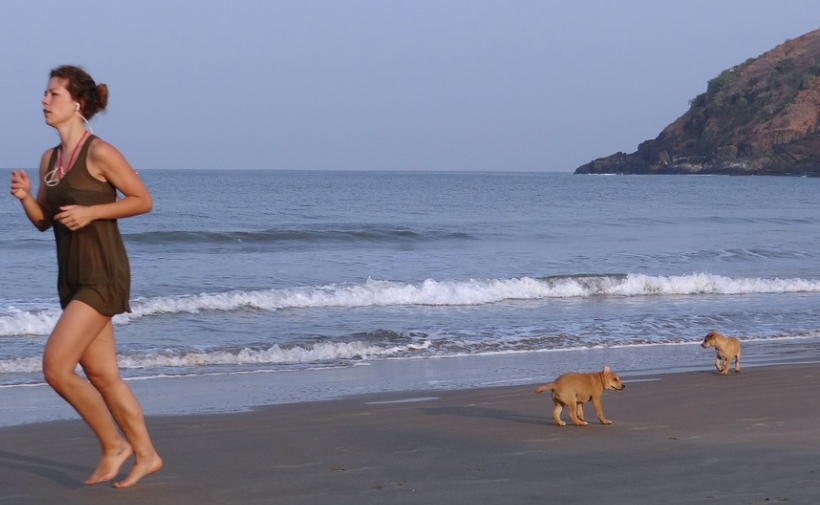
<point>572,390</point>
<point>726,349</point>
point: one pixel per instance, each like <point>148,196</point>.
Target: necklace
<point>62,172</point>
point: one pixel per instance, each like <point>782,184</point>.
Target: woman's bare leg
<point>74,332</point>
<point>82,335</point>
<point>100,365</point>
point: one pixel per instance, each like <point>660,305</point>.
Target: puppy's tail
<point>545,387</point>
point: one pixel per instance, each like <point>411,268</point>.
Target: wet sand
<point>692,437</point>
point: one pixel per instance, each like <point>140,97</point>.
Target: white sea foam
<point>335,354</point>
<point>429,292</point>
<point>274,355</point>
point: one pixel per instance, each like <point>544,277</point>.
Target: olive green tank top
<point>92,262</point>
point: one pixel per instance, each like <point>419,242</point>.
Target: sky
<point>420,85</point>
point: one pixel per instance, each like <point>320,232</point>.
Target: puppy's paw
<point>606,421</point>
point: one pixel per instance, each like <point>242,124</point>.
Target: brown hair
<point>93,97</point>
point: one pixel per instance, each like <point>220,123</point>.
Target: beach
<point>690,437</point>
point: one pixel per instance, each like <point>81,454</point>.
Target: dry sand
<point>676,438</point>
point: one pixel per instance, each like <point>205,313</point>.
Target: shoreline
<point>682,437</point>
<point>243,392</point>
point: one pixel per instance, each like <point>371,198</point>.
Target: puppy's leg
<point>573,415</point>
<point>727,363</point>
<point>556,413</point>
<point>600,411</point>
<point>717,364</point>
<point>579,412</point>
<point>737,362</point>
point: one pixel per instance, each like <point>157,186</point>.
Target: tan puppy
<point>572,390</point>
<point>726,349</point>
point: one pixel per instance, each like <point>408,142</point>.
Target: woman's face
<point>58,106</point>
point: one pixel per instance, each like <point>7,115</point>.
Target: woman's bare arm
<point>36,208</point>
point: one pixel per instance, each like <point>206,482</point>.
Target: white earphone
<point>77,106</point>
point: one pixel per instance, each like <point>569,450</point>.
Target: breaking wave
<point>15,320</point>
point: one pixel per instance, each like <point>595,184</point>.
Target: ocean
<point>266,276</point>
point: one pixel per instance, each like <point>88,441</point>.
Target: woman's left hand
<point>74,217</point>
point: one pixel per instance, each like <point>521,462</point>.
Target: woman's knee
<point>57,373</point>
<point>104,381</point>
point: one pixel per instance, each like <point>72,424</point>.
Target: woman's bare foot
<point>140,470</point>
<point>109,465</point>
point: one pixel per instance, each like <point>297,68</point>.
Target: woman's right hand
<point>20,184</point>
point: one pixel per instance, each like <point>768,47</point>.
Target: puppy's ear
<point>606,369</point>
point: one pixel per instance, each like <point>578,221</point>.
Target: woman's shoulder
<point>45,159</point>
<point>104,158</point>
<point>49,152</point>
<point>99,149</point>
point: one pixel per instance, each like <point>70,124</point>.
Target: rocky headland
<point>757,118</point>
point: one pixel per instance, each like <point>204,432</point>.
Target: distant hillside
<point>757,118</point>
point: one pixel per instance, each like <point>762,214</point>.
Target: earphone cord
<point>87,125</point>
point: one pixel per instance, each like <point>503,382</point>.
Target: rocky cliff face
<point>758,118</point>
